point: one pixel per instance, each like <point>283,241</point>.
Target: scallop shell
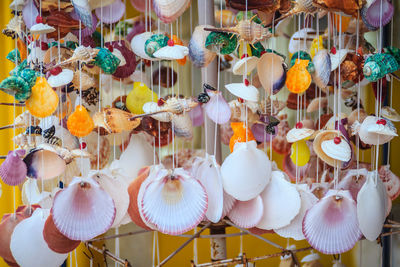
<point>140,95</point>
<point>297,134</point>
<point>246,171</point>
<point>138,44</point>
<point>40,28</point>
<point>13,170</point>
<point>317,103</point>
<point>249,93</point>
<point>371,206</point>
<point>298,78</point>
<point>341,151</point>
<point>63,78</point>
<point>172,52</point>
<point>245,65</point>
<point>217,109</point>
<point>111,13</point>
<point>198,53</point>
<point>295,228</point>
<point>379,13</point>
<point>390,114</point>
<point>281,202</point>
<point>247,214</point>
<point>169,10</point>
<point>338,58</point>
<point>373,134</point>
<point>322,63</point>
<point>55,240</point>
<point>44,164</point>
<point>331,225</point>
<point>43,100</point>
<point>118,120</point>
<point>353,180</point>
<point>28,245</point>
<point>80,123</point>
<point>175,202</point>
<point>182,125</point>
<point>271,72</point>
<point>209,175</point>
<point>390,180</point>
<point>83,210</point>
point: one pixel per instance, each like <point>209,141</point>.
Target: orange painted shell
<point>239,134</point>
<point>43,100</point>
<point>298,78</point>
<point>79,122</point>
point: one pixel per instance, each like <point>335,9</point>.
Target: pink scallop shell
<point>374,14</point>
<point>13,170</point>
<point>111,13</point>
<point>217,109</point>
<point>247,214</point>
<point>87,31</point>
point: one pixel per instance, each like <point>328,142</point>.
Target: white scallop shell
<point>245,65</point>
<point>331,225</point>
<point>297,134</point>
<point>371,206</point>
<point>249,93</point>
<point>390,114</point>
<point>373,135</point>
<point>171,52</point>
<point>338,58</point>
<point>169,10</point>
<point>247,214</point>
<point>341,151</point>
<point>322,63</point>
<point>63,78</point>
<point>28,246</point>
<point>281,202</point>
<point>246,171</point>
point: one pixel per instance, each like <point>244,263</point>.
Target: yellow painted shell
<point>140,95</point>
<point>43,100</point>
<point>298,78</point>
<point>300,153</point>
<point>316,45</point>
<point>79,122</point>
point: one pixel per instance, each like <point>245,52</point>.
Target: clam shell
<point>172,52</point>
<point>169,10</point>
<point>245,65</point>
<point>111,13</point>
<point>40,28</point>
<point>329,135</point>
<point>331,225</point>
<point>322,63</point>
<point>300,44</point>
<point>353,180</point>
<point>295,228</point>
<point>29,13</point>
<point>138,44</point>
<point>390,114</point>
<point>63,78</point>
<point>246,171</point>
<point>28,245</point>
<point>249,93</point>
<point>31,195</point>
<point>281,202</point>
<point>182,125</point>
<point>247,214</point>
<point>13,170</point>
<point>175,203</point>
<point>297,134</point>
<point>341,151</point>
<point>371,206</point>
<point>374,134</point>
<point>83,210</point>
<point>271,73</point>
<point>118,120</point>
<point>198,53</point>
<point>44,164</point>
<point>338,58</point>
<point>317,103</point>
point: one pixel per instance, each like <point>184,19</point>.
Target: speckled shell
<point>378,65</point>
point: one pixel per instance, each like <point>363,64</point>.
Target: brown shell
<point>51,5</point>
<point>63,21</point>
<point>119,120</point>
<point>161,131</point>
<point>264,5</point>
<point>87,81</point>
<point>51,54</point>
<point>56,241</point>
<point>291,101</point>
<point>280,144</point>
<point>347,6</point>
<point>133,191</point>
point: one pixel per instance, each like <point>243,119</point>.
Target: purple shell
<point>217,109</point>
<point>374,14</point>
<point>124,71</point>
<point>29,14</point>
<point>111,13</point>
<point>278,85</point>
<point>87,31</point>
<point>197,116</point>
<point>259,133</point>
<point>13,170</point>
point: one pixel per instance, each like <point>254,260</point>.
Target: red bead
<point>241,100</point>
<point>299,125</point>
<point>337,140</point>
<point>244,55</point>
<point>333,50</point>
<point>110,47</point>
<point>160,102</point>
<point>381,121</point>
<point>246,82</point>
<point>82,145</point>
<point>39,19</point>
<point>171,42</point>
<point>44,46</point>
<point>56,71</point>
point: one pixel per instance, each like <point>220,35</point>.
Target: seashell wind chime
<point>106,117</point>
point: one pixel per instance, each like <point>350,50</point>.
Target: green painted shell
<point>241,16</point>
<point>257,49</point>
<point>394,51</point>
<point>221,42</point>
<point>107,61</point>
<point>155,42</point>
<point>14,56</point>
<point>300,55</point>
<point>16,86</point>
<point>29,76</point>
<point>378,65</point>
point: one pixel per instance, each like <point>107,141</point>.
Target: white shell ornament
<point>245,65</point>
<point>247,214</point>
<point>138,44</point>
<point>322,64</point>
<point>246,92</point>
<point>171,52</point>
<point>337,58</point>
<point>337,149</point>
<point>246,171</point>
<point>281,202</point>
<point>375,131</point>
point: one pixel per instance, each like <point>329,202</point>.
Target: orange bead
<point>239,134</point>
<point>79,122</point>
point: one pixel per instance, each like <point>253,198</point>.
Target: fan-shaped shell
<point>297,42</point>
<point>246,92</point>
<point>298,78</point>
<point>171,52</point>
<point>340,151</point>
<point>43,100</point>
<point>390,180</point>
<point>111,13</point>
<point>371,206</point>
<point>246,171</point>
<point>175,203</point>
<point>297,134</point>
<point>13,170</point>
<point>322,63</point>
<point>390,114</point>
<point>217,109</point>
<point>245,65</point>
<point>83,210</point>
<point>271,72</point>
<point>321,153</point>
<point>79,122</point>
<point>63,78</point>
<point>247,214</point>
<point>331,225</point>
<point>198,53</point>
<point>373,134</point>
<point>169,10</point>
<point>281,202</point>
<point>28,245</point>
<point>379,13</point>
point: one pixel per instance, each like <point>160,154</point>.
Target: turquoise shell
<point>14,56</point>
<point>378,65</point>
<point>107,61</point>
<point>257,49</point>
<point>394,51</point>
<point>155,42</point>
<point>221,42</point>
<point>15,85</point>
